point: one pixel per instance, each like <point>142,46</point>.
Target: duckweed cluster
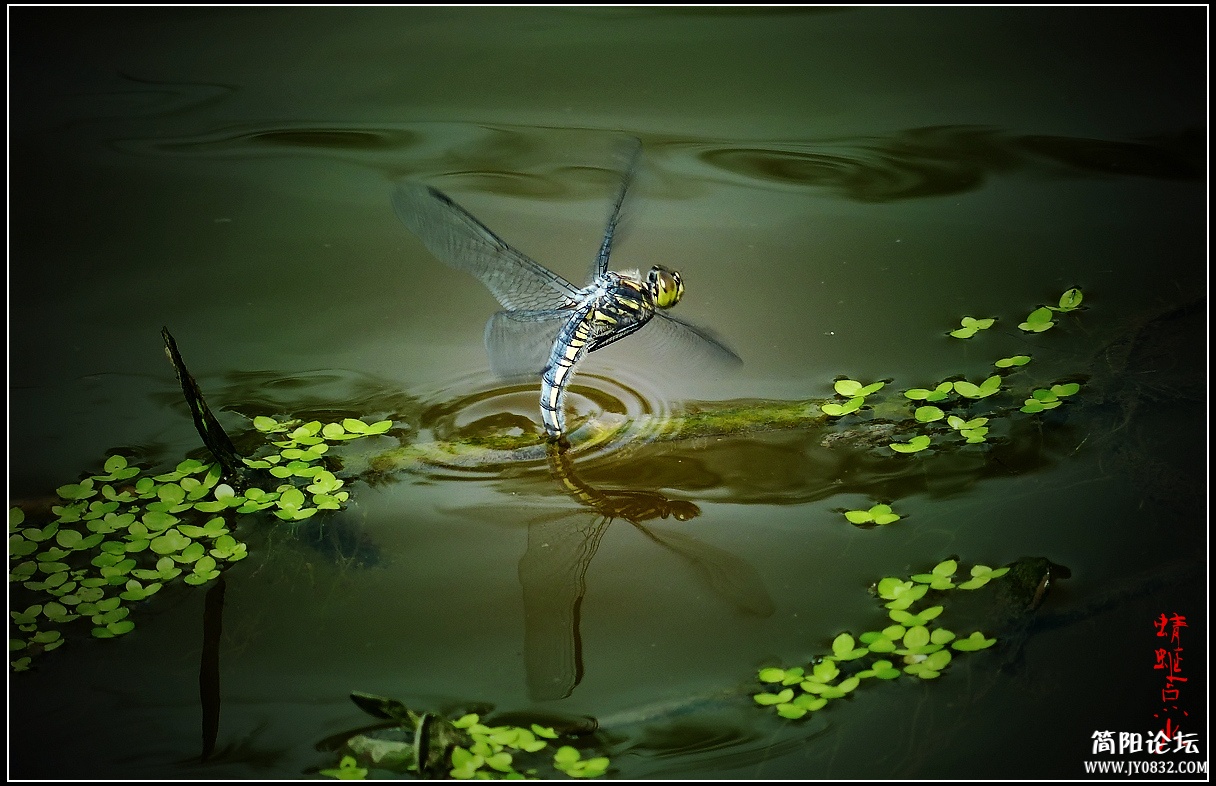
<point>914,644</point>
<point>119,536</point>
<point>932,404</point>
<point>463,749</point>
<point>493,752</point>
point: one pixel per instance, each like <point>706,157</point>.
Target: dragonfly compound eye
<point>666,287</point>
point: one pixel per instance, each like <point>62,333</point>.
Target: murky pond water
<point>838,188</point>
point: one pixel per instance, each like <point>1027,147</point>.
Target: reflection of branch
<point>209,666</point>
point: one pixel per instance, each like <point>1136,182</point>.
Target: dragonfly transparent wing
<point>630,154</point>
<point>460,241</point>
<point>674,342</point>
<point>519,342</point>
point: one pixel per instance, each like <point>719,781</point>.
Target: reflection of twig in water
<point>209,666</point>
<point>553,573</point>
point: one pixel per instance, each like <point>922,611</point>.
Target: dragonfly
<point>548,325</point>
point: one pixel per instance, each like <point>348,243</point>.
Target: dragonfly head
<point>666,287</point>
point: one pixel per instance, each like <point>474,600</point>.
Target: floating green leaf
<point>77,491</point>
<point>1010,362</point>
<point>988,387</point>
<point>929,666</point>
<point>170,542</point>
<point>837,410</point>
<point>851,388</point>
<point>1038,321</point>
<point>348,769</point>
<point>1070,300</point>
<point>976,641</point>
<point>268,425</point>
<point>882,669</point>
<point>914,445</point>
<point>113,629</point>
<point>928,414</point>
<point>970,326</point>
<point>135,591</point>
<point>981,575</point>
<point>879,514</point>
<point>766,675</point>
<point>774,698</point>
<point>937,394</point>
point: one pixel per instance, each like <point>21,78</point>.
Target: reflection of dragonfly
<point>549,324</point>
<point>553,572</point>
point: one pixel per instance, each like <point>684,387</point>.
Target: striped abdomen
<point>614,308</point>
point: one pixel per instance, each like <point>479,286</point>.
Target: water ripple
<point>605,414</point>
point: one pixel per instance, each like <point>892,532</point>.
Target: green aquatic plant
<point>940,578</point>
<point>1011,362</point>
<point>989,387</point>
<point>878,514</point>
<point>939,393</point>
<point>347,770</point>
<point>974,430</point>
<point>981,575</point>
<point>976,641</point>
<point>569,760</point>
<point>1043,399</point>
<point>122,534</point>
<point>1040,319</point>
<point>464,748</point>
<point>1069,301</point>
<point>854,394</point>
<point>913,445</point>
<point>928,414</point>
<point>923,646</point>
<point>970,326</point>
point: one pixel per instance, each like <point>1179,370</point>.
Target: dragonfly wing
<point>630,154</point>
<point>460,241</point>
<point>519,342</point>
<point>675,341</point>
